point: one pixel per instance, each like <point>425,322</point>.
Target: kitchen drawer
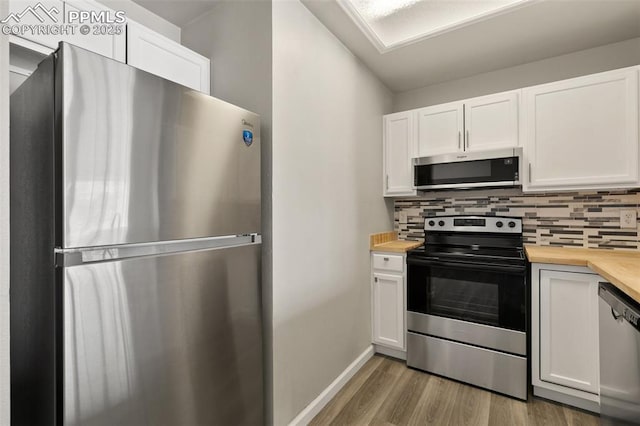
<point>498,371</point>
<point>388,262</point>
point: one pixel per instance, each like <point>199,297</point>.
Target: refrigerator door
<point>164,340</point>
<point>145,159</point>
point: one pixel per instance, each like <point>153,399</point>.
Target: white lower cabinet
<point>388,301</point>
<point>565,351</point>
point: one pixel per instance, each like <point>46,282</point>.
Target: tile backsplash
<point>574,219</point>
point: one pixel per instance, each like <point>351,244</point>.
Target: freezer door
<point>164,340</point>
<point>145,159</point>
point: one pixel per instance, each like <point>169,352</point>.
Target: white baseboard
<point>311,410</point>
<point>395,353</point>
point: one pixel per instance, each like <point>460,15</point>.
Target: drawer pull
<point>386,259</point>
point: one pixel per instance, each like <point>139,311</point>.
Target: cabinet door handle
<point>387,181</point>
<point>459,138</point>
<point>467,139</point>
<point>375,279</point>
<point>529,172</point>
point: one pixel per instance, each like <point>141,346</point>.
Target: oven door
<point>492,295</point>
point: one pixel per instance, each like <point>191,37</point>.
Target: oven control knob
<point>441,223</point>
<point>499,224</point>
<point>432,223</point>
<point>512,224</point>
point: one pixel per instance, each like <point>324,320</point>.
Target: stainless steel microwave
<point>469,169</point>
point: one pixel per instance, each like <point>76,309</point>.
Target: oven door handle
<point>468,265</point>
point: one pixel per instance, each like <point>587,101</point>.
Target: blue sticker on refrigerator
<point>247,137</point>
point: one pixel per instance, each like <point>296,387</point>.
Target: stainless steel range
<point>467,302</point>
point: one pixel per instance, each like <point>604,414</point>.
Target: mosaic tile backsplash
<point>576,219</point>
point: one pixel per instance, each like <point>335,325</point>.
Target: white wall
<point>603,58</point>
<point>327,156</point>
<point>4,223</point>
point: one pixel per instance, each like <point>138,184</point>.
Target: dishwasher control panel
<point>631,316</point>
<point>622,306</point>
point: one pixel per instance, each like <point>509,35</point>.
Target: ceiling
<point>539,30</point>
<point>178,12</point>
<point>394,23</point>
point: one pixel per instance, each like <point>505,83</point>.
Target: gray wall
<point>327,156</point>
<point>4,223</point>
<point>603,58</point>
<point>236,37</point>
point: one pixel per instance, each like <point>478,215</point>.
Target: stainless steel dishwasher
<point>619,357</point>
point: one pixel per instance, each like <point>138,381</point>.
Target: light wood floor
<point>386,392</point>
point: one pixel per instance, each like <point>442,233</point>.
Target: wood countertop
<point>388,241</point>
<point>620,268</point>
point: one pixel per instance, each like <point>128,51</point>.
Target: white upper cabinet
<point>151,52</point>
<point>440,129</point>
<point>51,12</point>
<point>398,147</point>
<point>491,122</point>
<point>110,33</point>
<point>103,38</point>
<point>582,133</point>
<point>478,124</point>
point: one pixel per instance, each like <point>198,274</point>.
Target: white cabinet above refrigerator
<point>154,53</point>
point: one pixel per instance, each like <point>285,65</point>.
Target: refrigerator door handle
<point>85,255</point>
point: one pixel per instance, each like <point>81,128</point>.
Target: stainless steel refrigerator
<point>135,250</point>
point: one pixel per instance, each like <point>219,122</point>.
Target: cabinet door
<point>111,43</point>
<point>151,52</point>
<point>399,145</point>
<point>44,12</point>
<point>388,310</point>
<point>491,122</point>
<point>440,129</point>
<point>569,329</point>
<point>107,40</point>
<point>583,132</point>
